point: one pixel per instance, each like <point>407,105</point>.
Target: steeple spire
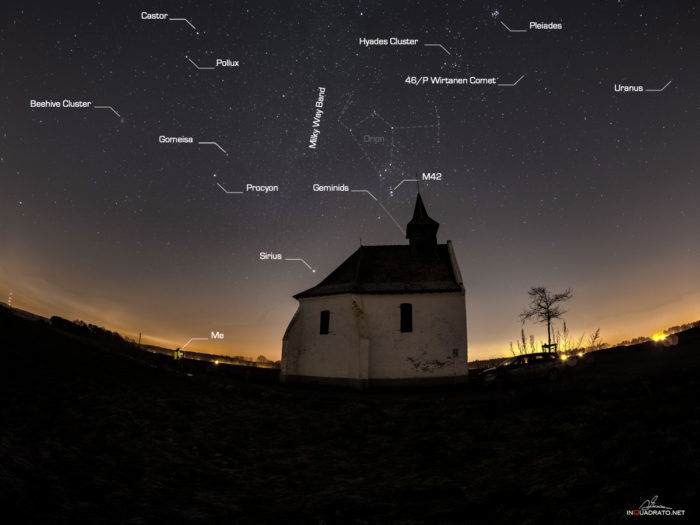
<point>421,231</point>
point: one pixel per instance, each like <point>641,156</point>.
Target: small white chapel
<point>387,316</point>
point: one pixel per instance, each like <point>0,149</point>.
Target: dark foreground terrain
<point>99,432</point>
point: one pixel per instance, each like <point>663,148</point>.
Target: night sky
<point>558,181</point>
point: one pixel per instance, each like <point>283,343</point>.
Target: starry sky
<point>557,181</point>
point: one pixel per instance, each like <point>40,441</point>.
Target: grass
<point>102,433</point>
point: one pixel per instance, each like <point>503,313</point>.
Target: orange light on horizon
<point>657,337</point>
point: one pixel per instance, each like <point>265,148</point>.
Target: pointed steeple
<point>421,231</point>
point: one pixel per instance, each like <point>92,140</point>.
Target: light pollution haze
<point>559,181</point>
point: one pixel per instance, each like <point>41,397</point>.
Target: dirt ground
<point>102,433</point>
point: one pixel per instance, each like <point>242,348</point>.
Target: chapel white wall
<point>365,340</point>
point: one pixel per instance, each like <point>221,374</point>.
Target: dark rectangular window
<point>406,317</point>
<point>325,321</point>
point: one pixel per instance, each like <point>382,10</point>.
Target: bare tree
<point>545,306</point>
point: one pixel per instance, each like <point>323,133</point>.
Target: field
<point>99,432</point>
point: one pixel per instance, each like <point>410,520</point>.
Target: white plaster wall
<point>307,352</point>
<point>439,326</point>
<point>365,339</point>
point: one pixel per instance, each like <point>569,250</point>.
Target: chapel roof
<point>422,266</point>
<point>388,270</point>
